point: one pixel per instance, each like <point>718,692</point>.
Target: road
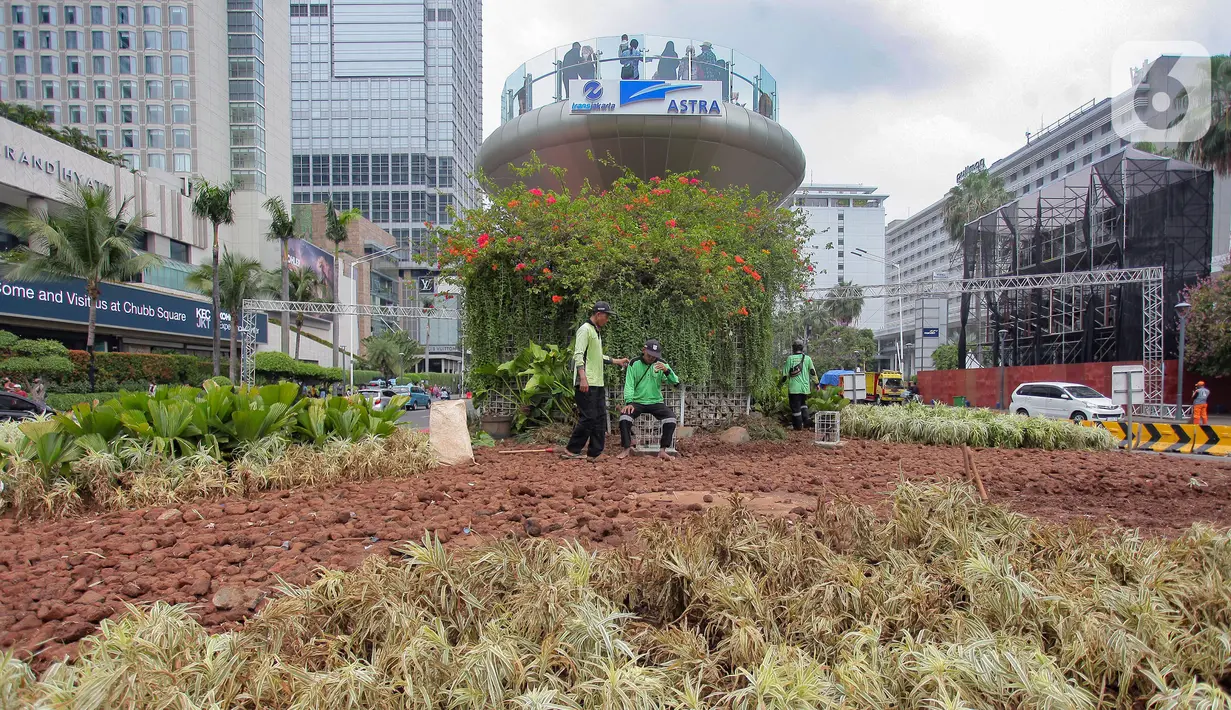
<point>418,418</point>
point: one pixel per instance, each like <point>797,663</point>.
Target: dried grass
<point>948,603</point>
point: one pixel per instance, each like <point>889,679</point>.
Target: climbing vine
<point>701,269</point>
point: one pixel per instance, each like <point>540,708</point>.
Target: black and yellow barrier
<point>1171,438</point>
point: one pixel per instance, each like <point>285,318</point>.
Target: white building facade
<point>844,218</point>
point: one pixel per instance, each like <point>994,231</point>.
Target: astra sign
<point>645,97</point>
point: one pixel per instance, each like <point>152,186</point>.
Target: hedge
<point>62,402</point>
<point>283,365</point>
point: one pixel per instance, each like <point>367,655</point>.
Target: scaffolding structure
<point>1129,210</point>
<point>394,314</point>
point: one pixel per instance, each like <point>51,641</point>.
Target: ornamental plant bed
<point>61,578</point>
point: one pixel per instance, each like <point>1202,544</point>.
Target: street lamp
<point>1003,403</point>
<point>861,252</point>
<point>354,285</point>
<point>1181,309</point>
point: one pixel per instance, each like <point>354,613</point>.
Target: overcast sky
<point>901,94</point>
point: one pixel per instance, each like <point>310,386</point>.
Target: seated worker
<point>643,394</point>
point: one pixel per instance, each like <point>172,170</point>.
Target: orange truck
<point>886,387</point>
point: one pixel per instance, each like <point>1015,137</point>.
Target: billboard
<point>304,253</point>
<point>118,307</point>
<point>645,97</point>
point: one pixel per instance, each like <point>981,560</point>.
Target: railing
<point>543,81</point>
<point>169,274</point>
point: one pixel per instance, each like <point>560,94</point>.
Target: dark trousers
<point>799,410</point>
<point>592,422</point>
<point>660,412</point>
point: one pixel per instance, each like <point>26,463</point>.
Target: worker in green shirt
<point>643,394</point>
<point>798,373</point>
<point>589,392</point>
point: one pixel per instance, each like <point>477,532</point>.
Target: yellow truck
<point>886,387</point>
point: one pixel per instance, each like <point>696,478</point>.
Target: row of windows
<point>154,113</point>
<point>376,169</point>
<point>103,89</point>
<point>385,207</point>
<point>305,10</point>
<point>180,162</point>
<point>1068,149</point>
<point>100,15</point>
<point>101,39</point>
<point>49,64</point>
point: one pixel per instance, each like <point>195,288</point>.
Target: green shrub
<point>222,381</point>
<point>922,424</point>
<point>39,348</point>
<point>364,376</point>
<point>7,339</point>
<point>63,401</point>
<point>279,364</point>
<point>44,366</point>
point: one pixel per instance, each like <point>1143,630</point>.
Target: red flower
<point>656,179</point>
<point>810,269</point>
<point>739,259</point>
<point>694,181</point>
<point>513,203</point>
<point>551,199</point>
<point>493,267</point>
<point>556,299</point>
<point>519,267</point>
<point>671,222</point>
<point>529,279</point>
<point>536,192</point>
<point>546,270</point>
<point>683,180</point>
<point>743,311</point>
<point>483,240</point>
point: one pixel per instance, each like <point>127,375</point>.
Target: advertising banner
<point>305,253</point>
<point>118,307</point>
<point>645,97</point>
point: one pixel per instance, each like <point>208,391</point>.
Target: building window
<point>380,206</point>
<point>128,89</point>
<point>1038,183</point>
<point>73,65</point>
<point>179,65</point>
<point>154,114</point>
<point>841,229</point>
<point>299,10</point>
<point>180,113</point>
<point>21,39</point>
<point>128,139</point>
<point>76,113</point>
<point>183,163</point>
<point>319,10</point>
<point>179,89</point>
<point>1106,150</point>
<point>102,89</point>
<point>178,15</point>
<point>341,170</point>
<point>46,39</point>
<point>1055,155</point>
<point>48,64</point>
<point>123,15</point>
<point>179,40</point>
<point>76,90</point>
<point>1106,128</point>
<point>153,89</point>
<point>49,89</point>
<point>1072,146</point>
<point>128,65</point>
<point>53,113</point>
<point>21,65</point>
<point>1039,164</point>
<point>153,64</point>
<point>841,216</point>
<point>100,40</point>
<point>1055,174</point>
<point>103,138</point>
<point>320,170</point>
<point>46,15</point>
<point>400,206</point>
<point>151,15</point>
<point>98,15</point>
<point>1070,167</point>
<point>182,138</point>
<point>20,14</point>
<point>301,171</point>
<point>359,201</point>
<point>179,252</point>
<point>128,114</point>
<point>380,172</point>
<point>101,64</point>
<point>399,171</point>
<point>158,160</point>
<point>102,114</point>
<point>418,207</point>
<point>71,16</point>
<point>444,172</point>
<point>418,169</point>
<point>72,39</point>
<point>1087,138</point>
<point>152,39</point>
<point>359,170</point>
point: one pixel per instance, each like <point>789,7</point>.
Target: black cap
<point>603,307</point>
<point>653,348</point>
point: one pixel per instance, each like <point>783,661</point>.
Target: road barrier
<point>1171,438</point>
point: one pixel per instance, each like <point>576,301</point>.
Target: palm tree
<point>845,303</point>
<point>306,287</point>
<point>282,229</point>
<point>239,278</point>
<point>974,197</point>
<point>86,239</point>
<point>213,202</point>
<point>336,231</point>
<point>1213,150</point>
<point>392,352</point>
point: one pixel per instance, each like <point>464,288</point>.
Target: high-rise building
<point>385,110</point>
<point>844,218</point>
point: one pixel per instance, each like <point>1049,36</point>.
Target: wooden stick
<point>970,456</point>
<point>548,450</point>
<point>966,464</point>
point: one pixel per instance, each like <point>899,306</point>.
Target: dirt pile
<point>62,578</point>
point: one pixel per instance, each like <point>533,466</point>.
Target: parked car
<point>378,397</point>
<point>1063,400</point>
<point>418,397</point>
<point>15,406</point>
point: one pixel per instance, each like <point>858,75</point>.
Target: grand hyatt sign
<point>46,165</point>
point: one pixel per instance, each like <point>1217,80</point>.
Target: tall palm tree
<point>306,287</point>
<point>282,229</point>
<point>239,278</point>
<point>845,303</point>
<point>337,230</point>
<point>86,239</point>
<point>1213,150</point>
<point>978,194</point>
<point>212,202</point>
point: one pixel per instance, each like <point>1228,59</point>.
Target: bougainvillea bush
<point>1208,337</point>
<point>702,269</point>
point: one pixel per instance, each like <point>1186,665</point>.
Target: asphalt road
<point>417,418</point>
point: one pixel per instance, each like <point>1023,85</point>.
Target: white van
<point>1063,400</point>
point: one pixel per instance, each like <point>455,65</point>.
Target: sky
<point>900,94</point>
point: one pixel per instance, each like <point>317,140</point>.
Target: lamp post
<point>354,284</point>
<point>1181,309</point>
<point>1003,332</point>
<point>861,252</point>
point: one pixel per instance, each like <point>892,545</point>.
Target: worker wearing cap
<point>643,394</point>
<point>798,373</point>
<point>1201,404</point>
<point>589,392</point>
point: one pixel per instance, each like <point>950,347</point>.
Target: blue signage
<point>931,332</point>
<point>118,307</point>
<point>646,97</point>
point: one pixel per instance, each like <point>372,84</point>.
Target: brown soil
<point>61,578</point>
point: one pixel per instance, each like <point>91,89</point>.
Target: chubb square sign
<point>645,97</point>
<point>118,307</point>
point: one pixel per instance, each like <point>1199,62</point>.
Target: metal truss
<point>248,330</point>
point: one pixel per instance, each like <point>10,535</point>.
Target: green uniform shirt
<point>588,353</point>
<point>801,383</point>
<point>644,386</point>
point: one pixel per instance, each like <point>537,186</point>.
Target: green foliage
<point>1207,347</point>
<point>922,424</point>
<point>944,357</point>
<point>222,381</point>
<point>40,121</point>
<point>841,347</point>
<point>825,399</point>
<point>941,601</point>
<point>700,268</point>
<point>1213,150</point>
<point>61,401</point>
<point>482,439</point>
<point>278,364</point>
<point>539,381</point>
<point>48,366</point>
<point>362,377</point>
<point>391,352</point>
<point>39,348</point>
<point>7,340</point>
<point>764,429</point>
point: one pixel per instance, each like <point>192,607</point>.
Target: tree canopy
<point>1208,337</point>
